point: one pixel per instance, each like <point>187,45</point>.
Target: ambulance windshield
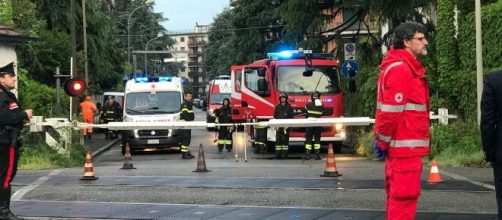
<point>290,79</point>
<point>159,103</point>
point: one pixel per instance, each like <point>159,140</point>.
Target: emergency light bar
<point>298,54</point>
<point>140,79</point>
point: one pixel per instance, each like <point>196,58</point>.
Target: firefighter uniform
<point>282,111</point>
<point>260,139</point>
<point>186,114</point>
<point>12,117</point>
<point>402,129</point>
<point>110,112</point>
<point>314,109</point>
<point>88,109</point>
<point>224,132</point>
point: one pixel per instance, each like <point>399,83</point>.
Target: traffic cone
<point>201,161</point>
<point>127,159</point>
<point>330,170</point>
<point>88,168</point>
<point>434,176</point>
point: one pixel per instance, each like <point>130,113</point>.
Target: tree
<point>219,53</point>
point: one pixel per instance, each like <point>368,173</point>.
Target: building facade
<point>189,46</point>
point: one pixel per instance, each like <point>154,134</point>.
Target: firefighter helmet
<point>283,95</point>
<point>315,95</point>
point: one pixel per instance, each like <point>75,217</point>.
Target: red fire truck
<point>256,88</point>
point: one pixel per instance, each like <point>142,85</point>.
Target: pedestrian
<point>110,112</point>
<point>491,129</point>
<point>12,118</point>
<point>88,109</point>
<point>314,109</point>
<point>282,111</point>
<point>402,119</point>
<point>224,115</point>
<point>186,114</point>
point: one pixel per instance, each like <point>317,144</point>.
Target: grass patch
<point>37,157</point>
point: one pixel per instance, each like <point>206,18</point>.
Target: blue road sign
<point>349,65</point>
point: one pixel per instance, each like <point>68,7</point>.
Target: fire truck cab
<point>256,88</point>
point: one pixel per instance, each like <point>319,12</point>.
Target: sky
<point>183,14</point>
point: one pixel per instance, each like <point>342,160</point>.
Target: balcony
<point>193,43</point>
<point>194,64</point>
<point>194,54</point>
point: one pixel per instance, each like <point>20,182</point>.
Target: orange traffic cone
<point>201,161</point>
<point>330,170</point>
<point>434,176</point>
<point>88,168</point>
<point>127,159</point>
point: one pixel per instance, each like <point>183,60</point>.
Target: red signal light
<point>74,87</point>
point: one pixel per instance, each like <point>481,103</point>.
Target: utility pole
<point>479,58</point>
<point>73,68</point>
<point>86,67</point>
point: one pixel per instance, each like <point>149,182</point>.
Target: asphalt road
<point>163,185</point>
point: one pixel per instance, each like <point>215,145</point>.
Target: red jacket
<point>402,115</point>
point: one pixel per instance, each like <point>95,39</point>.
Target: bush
<point>457,144</point>
<point>44,157</point>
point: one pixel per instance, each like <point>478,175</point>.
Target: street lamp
<point>146,48</point>
<point>147,3</point>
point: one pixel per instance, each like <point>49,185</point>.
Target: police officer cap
<point>283,95</point>
<point>7,69</point>
<point>315,95</point>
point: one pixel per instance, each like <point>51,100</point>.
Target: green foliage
<point>39,97</point>
<point>215,62</point>
<point>363,143</point>
<point>457,144</point>
<point>44,157</point>
<point>6,12</point>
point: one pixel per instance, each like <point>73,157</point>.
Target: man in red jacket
<point>402,119</point>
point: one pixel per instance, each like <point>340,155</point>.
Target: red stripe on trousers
<point>10,168</point>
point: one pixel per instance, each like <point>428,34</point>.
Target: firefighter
<point>282,111</point>
<point>12,118</point>
<point>186,114</point>
<point>110,112</point>
<point>223,115</point>
<point>402,119</point>
<point>88,109</point>
<point>314,109</point>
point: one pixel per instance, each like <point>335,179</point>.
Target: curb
<point>106,147</point>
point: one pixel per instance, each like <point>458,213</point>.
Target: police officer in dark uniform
<point>186,114</point>
<point>110,112</point>
<point>12,117</point>
<point>282,111</point>
<point>314,109</point>
<point>224,115</point>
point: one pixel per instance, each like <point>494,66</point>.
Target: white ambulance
<point>152,100</point>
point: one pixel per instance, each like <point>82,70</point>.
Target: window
<point>324,79</point>
<point>238,80</point>
<point>253,81</point>
<point>182,48</point>
<point>147,103</point>
<point>182,39</point>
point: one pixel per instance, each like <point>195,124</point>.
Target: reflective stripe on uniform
<point>314,112</point>
<point>184,148</point>
<point>227,142</point>
<point>258,142</point>
<point>308,146</point>
<point>400,108</point>
<point>317,146</point>
<point>383,137</point>
<point>410,143</point>
<point>186,110</point>
<point>278,147</point>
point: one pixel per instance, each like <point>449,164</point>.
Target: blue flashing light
<point>141,79</point>
<point>286,54</point>
<point>165,79</point>
<point>298,54</point>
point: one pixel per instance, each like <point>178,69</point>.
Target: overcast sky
<point>183,14</point>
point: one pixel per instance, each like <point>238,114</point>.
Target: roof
<point>8,34</point>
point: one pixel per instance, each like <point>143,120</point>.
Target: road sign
<point>350,51</point>
<point>349,68</point>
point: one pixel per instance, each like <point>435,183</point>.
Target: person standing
<point>12,117</point>
<point>88,109</point>
<point>491,129</point>
<point>402,119</point>
<point>282,111</point>
<point>110,112</point>
<point>186,114</point>
<point>314,109</point>
<point>224,115</point>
